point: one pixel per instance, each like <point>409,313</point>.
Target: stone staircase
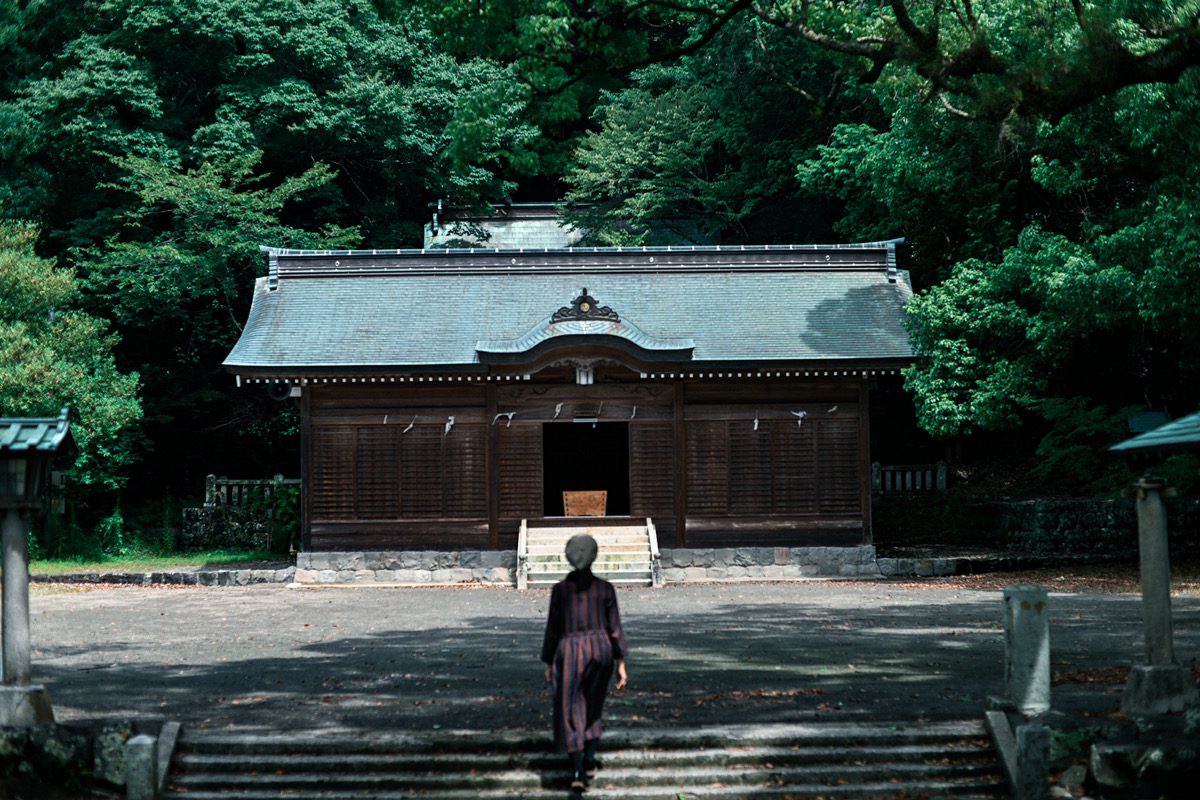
<point>628,552</point>
<point>850,760</point>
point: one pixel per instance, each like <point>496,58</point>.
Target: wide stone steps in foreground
<point>803,760</point>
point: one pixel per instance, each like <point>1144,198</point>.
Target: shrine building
<point>453,398</point>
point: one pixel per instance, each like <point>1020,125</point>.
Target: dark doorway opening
<point>583,456</point>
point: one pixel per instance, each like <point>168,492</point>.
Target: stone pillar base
<point>24,706</point>
<point>1158,690</point>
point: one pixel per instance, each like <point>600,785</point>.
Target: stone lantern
<point>1161,685</point>
<point>27,445</point>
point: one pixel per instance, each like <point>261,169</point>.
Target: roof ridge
<point>881,244</point>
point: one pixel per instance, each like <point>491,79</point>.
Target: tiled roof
<point>1182,434</point>
<point>46,434</point>
<point>425,309</point>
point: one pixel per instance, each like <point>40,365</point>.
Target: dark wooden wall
<point>773,463</point>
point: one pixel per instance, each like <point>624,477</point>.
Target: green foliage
<point>159,144</point>
<point>1100,311</point>
<point>706,149</point>
<point>141,558</point>
<point>111,534</point>
<point>53,355</point>
<point>1073,451</point>
<point>280,507</point>
<point>1039,158</point>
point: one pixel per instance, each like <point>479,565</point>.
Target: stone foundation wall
<point>491,567</point>
<point>767,563</point>
<point>498,567</point>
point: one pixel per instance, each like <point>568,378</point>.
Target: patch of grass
<point>146,562</point>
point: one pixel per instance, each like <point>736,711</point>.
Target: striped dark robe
<point>583,637</point>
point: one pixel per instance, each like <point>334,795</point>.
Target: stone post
<point>1156,572</point>
<point>1033,762</point>
<point>21,704</point>
<point>141,765</point>
<point>17,668</point>
<point>1027,648</point>
<point>1161,685</point>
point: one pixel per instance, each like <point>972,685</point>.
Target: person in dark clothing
<point>583,642</point>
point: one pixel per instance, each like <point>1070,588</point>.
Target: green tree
<point>301,81</point>
<point>159,143</point>
<point>1039,158</point>
<point>52,355</point>
<point>713,142</point>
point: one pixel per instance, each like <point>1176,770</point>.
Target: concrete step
<point>741,762</point>
<point>222,761</point>
<point>827,734</point>
<point>617,579</point>
<point>526,779</point>
<point>607,554</point>
<point>625,557</point>
<point>898,790</point>
<point>622,566</point>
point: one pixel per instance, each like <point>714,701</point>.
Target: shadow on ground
<point>770,655</point>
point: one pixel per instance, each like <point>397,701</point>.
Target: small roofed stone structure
<point>1180,436</point>
<point>1161,685</point>
<point>447,396</point>
<point>26,447</point>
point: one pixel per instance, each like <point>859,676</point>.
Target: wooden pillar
<point>680,481</point>
<point>306,444</point>
<point>864,457</point>
<point>493,471</point>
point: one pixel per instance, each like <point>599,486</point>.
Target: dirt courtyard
<point>279,658</point>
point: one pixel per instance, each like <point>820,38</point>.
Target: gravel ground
<point>384,658</point>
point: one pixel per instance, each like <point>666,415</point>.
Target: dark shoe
<point>590,762</point>
<point>578,779</point>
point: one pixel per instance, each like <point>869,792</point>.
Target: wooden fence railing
<point>240,493</point>
<point>908,478</point>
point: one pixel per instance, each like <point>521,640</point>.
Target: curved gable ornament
<point>584,307</point>
<point>586,318</point>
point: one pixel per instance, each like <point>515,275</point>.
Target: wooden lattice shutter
<point>464,471</point>
<point>420,471</point>
<point>837,443</point>
<point>331,478</point>
<point>794,462</point>
<point>520,462</point>
<point>707,467</point>
<point>750,486</point>
<point>377,486</point>
<point>652,470</point>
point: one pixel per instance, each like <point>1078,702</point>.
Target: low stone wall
<point>416,567</point>
<point>1037,527</point>
<point>684,564</point>
<point>200,577</point>
<point>213,527</point>
<point>71,755</point>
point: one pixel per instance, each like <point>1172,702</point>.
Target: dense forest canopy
<point>1039,156</point>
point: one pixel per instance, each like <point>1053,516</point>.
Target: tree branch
<point>800,26</point>
<point>958,112</point>
<point>925,42</point>
<point>715,27</point>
